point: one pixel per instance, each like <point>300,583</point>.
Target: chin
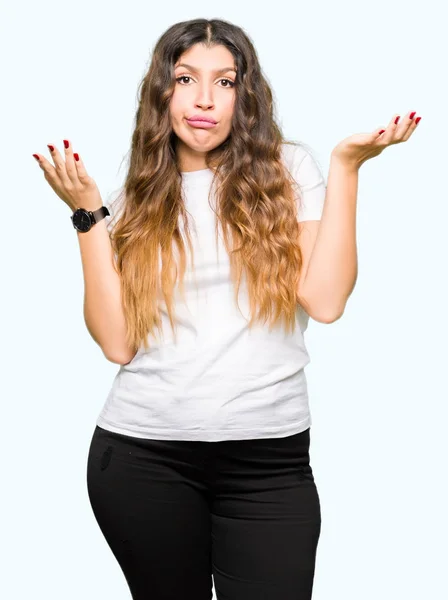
<point>205,147</point>
<point>198,146</point>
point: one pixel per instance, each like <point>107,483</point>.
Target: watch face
<point>81,220</point>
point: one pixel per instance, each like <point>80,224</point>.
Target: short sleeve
<point>115,207</point>
<point>311,183</point>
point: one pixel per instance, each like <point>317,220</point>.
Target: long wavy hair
<point>256,196</point>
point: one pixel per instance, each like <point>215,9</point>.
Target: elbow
<point>128,359</point>
<point>113,358</point>
<point>327,318</point>
<point>120,358</point>
<point>324,315</point>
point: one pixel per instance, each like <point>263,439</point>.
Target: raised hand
<point>357,149</point>
<point>69,178</point>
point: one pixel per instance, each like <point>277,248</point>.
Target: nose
<point>204,104</point>
<point>204,98</point>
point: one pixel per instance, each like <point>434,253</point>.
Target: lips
<point>196,118</point>
<point>200,124</point>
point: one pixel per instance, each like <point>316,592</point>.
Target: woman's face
<point>206,88</point>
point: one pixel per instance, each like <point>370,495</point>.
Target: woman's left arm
<point>333,265</point>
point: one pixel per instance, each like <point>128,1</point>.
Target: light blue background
<point>377,377</point>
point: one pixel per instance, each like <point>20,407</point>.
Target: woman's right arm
<point>103,312</point>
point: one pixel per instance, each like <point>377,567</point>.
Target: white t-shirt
<point>221,381</point>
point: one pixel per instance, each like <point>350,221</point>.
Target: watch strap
<point>100,213</point>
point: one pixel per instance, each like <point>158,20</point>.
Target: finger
<point>407,124</point>
<point>80,168</point>
<point>48,169</point>
<point>72,173</point>
<point>411,129</point>
<point>59,165</point>
<point>389,134</point>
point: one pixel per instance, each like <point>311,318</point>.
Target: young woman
<point>199,463</point>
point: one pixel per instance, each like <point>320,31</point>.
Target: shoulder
<point>296,154</point>
<point>293,152</point>
<point>301,162</point>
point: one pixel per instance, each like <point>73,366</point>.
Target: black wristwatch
<point>83,220</point>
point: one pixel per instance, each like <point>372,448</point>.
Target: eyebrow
<point>195,70</point>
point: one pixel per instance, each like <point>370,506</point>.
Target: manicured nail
<point>412,115</point>
<point>76,155</point>
<point>36,156</point>
<point>50,147</point>
<point>65,143</point>
<point>382,131</point>
<point>417,120</point>
<point>396,120</point>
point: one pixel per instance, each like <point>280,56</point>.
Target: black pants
<point>175,512</point>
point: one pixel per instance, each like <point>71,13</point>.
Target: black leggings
<point>175,513</point>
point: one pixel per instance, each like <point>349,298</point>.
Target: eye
<point>229,81</point>
<point>182,77</point>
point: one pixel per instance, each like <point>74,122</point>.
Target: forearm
<point>333,265</point>
<point>103,312</point>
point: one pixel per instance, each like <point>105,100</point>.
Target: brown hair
<point>256,195</point>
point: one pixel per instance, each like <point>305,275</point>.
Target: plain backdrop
<point>378,376</point>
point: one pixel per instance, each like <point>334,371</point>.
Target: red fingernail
<point>396,120</point>
<point>51,147</point>
<point>76,155</point>
<point>36,156</point>
<point>66,143</point>
<point>412,115</point>
<point>382,131</point>
<point>417,120</point>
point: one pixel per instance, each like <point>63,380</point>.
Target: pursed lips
<point>201,118</point>
<point>201,123</point>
